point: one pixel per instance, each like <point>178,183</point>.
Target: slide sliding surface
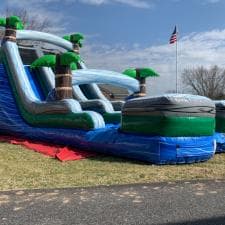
<point>65,113</point>
<point>104,107</point>
<point>97,101</point>
<point>52,39</point>
<point>94,92</point>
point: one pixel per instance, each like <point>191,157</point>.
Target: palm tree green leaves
<point>69,57</point>
<point>73,66</point>
<point>2,22</point>
<point>66,59</point>
<point>75,38</point>
<point>44,61</point>
<point>13,22</point>
<point>140,72</point>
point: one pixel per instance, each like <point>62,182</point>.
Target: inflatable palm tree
<point>61,63</point>
<point>76,39</point>
<point>11,24</point>
<point>141,74</point>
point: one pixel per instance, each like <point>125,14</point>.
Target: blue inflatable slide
<point>24,112</point>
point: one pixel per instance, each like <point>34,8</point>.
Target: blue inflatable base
<point>155,150</point>
<point>220,142</point>
<point>108,140</point>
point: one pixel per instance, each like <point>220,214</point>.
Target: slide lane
<point>66,113</point>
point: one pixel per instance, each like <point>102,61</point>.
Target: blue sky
<point>123,33</point>
<point>112,21</point>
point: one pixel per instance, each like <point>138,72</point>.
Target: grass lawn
<point>24,169</point>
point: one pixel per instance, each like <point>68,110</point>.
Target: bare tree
<point>31,22</point>
<point>206,82</point>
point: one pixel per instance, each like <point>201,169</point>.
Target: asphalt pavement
<point>184,203</point>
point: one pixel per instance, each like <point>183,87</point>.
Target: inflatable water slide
<point>167,129</point>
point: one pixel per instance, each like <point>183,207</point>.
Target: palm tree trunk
<point>76,48</point>
<point>10,32</point>
<point>63,81</point>
<point>142,83</point>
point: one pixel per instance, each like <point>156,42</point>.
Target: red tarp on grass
<point>61,153</point>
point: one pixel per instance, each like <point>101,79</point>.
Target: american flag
<point>173,37</point>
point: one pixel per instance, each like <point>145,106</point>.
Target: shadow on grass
<point>210,221</point>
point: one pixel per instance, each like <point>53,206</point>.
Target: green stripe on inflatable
<point>112,117</point>
<point>70,120</point>
<point>168,126</point>
<point>79,120</point>
<point>220,124</point>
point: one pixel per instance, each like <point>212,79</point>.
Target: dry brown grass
<point>24,169</point>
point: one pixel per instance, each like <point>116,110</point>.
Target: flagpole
<point>176,62</point>
<point>174,39</point>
